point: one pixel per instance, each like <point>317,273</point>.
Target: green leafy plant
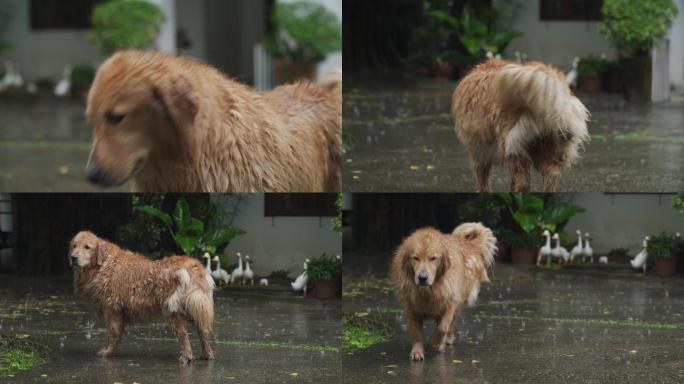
<point>121,24</point>
<point>336,222</point>
<point>478,38</point>
<point>191,234</point>
<point>433,38</point>
<point>303,31</point>
<point>281,274</point>
<point>82,75</point>
<point>19,353</point>
<point>362,330</point>
<point>324,268</point>
<point>533,214</point>
<point>678,202</point>
<point>618,252</point>
<point>632,27</point>
<point>592,66</point>
<point>665,244</point>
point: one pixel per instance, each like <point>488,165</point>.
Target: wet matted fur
<point>174,124</point>
<point>436,274</point>
<point>124,287</point>
<point>520,115</point>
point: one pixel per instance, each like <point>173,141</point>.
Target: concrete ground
<point>401,138</point>
<point>534,325</point>
<point>44,145</point>
<point>260,336</point>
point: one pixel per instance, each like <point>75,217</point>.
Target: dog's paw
<point>208,355</point>
<point>185,358</point>
<point>105,352</point>
<point>451,339</point>
<point>417,354</point>
<point>437,341</point>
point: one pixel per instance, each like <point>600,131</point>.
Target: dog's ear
<point>404,253</point>
<point>101,252</point>
<point>180,103</point>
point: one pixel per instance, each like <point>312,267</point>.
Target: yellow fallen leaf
<point>383,353</point>
<point>391,366</point>
<point>357,171</point>
<point>456,361</point>
<point>430,167</point>
<point>43,375</point>
<point>414,168</point>
<point>355,177</point>
<point>63,170</point>
<point>294,374</point>
<point>475,361</point>
<point>633,352</point>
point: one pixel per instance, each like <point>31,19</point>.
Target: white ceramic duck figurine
<point>578,249</point>
<point>545,251</point>
<point>603,260</point>
<point>639,261</point>
<point>237,272</point>
<point>588,251</point>
<point>571,77</point>
<point>300,283</point>
<point>220,274</point>
<point>247,274</point>
<point>518,57</point>
<point>208,257</point>
<point>263,282</point>
<point>559,252</point>
<point>64,84</point>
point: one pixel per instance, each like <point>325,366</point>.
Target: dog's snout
<point>73,260</point>
<point>93,173</point>
<point>423,278</point>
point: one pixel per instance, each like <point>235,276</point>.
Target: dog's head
<point>87,250</point>
<point>424,257</point>
<point>140,106</point>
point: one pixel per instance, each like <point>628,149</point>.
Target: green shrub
<point>633,26</point>
<point>82,75</point>
<point>324,267</point>
<point>303,31</point>
<point>121,24</point>
<point>592,66</point>
<point>665,244</point>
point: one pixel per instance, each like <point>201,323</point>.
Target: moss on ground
<point>361,330</point>
<point>19,353</point>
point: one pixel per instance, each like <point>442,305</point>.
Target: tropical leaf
<point>157,213</point>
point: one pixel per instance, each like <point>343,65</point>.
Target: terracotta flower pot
<point>325,289</point>
<point>523,255</point>
<point>501,251</point>
<point>445,70</point>
<point>289,71</point>
<point>591,84</point>
<point>665,266</point>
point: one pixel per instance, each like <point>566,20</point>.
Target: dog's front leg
<point>414,323</point>
<point>519,170</point>
<point>177,322</point>
<point>115,327</point>
<point>443,331</point>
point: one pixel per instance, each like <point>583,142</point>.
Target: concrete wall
<point>556,42</point>
<point>622,221</point>
<point>280,242</point>
<point>44,53</point>
<point>676,37</point>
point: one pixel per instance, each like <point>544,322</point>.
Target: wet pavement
<point>264,335</point>
<point>402,138</point>
<point>535,325</point>
<point>44,145</point>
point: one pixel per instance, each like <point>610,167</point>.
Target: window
<point>61,14</point>
<point>300,204</point>
<point>569,10</point>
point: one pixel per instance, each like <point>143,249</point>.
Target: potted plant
<point>324,272</point>
<point>632,28</point>
<point>303,34</point>
<point>81,78</point>
<point>121,24</point>
<point>662,249</point>
<point>590,70</point>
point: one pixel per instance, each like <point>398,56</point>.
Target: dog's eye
<point>113,118</point>
<point>87,246</point>
<point>433,258</point>
<point>415,258</point>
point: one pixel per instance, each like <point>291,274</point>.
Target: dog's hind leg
<point>444,329</point>
<point>519,170</point>
<point>550,157</point>
<point>481,169</point>
<point>177,322</point>
<point>115,326</point>
<point>207,352</point>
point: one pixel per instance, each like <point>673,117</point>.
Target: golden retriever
<point>435,274</point>
<point>174,124</point>
<point>520,115</point>
<point>124,287</point>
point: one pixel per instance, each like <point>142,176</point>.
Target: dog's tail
<point>332,79</point>
<point>481,242</point>
<point>545,94</point>
<point>197,287</point>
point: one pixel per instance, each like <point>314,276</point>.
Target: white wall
<point>622,221</point>
<point>676,36</point>
<point>280,242</point>
<point>166,40</point>
<point>334,59</point>
<point>44,53</point>
<point>556,42</point>
<point>190,17</point>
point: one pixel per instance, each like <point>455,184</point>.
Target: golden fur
<point>521,115</point>
<point>124,287</point>
<point>173,124</point>
<point>435,274</point>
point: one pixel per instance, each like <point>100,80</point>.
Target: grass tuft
<point>19,353</point>
<point>361,330</point>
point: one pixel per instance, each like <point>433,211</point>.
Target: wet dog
<point>521,115</point>
<point>436,274</point>
<point>173,124</point>
<point>124,287</point>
